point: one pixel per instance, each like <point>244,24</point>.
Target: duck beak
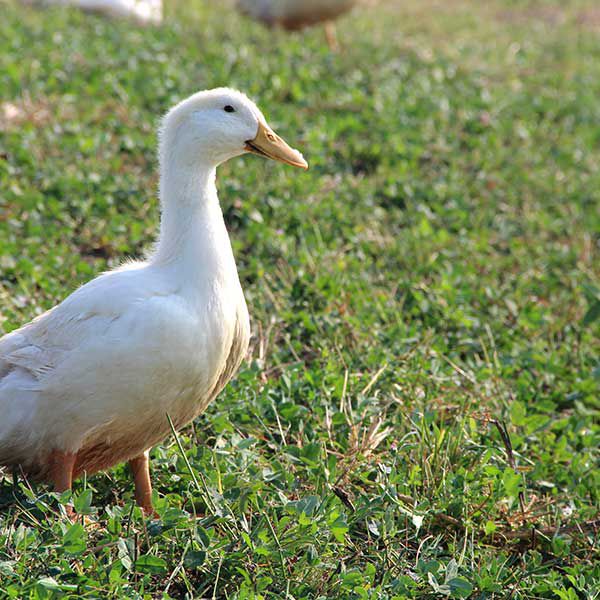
<point>267,143</point>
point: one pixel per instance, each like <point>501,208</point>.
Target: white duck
<point>143,11</point>
<point>89,383</point>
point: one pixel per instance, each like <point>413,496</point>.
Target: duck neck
<point>193,238</point>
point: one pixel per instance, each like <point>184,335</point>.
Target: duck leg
<point>61,469</point>
<point>331,36</point>
<point>61,472</point>
<point>140,469</point>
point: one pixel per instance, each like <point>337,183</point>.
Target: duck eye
<point>229,108</point>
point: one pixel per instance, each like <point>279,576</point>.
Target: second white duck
<point>142,11</point>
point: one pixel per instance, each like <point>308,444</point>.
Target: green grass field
<point>418,417</point>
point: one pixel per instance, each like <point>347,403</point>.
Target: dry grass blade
<point>363,440</point>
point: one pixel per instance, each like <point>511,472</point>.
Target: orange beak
<point>267,143</point>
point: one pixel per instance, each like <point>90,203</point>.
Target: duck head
<point>213,126</point>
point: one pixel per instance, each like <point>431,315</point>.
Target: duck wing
<point>36,348</point>
<point>44,364</point>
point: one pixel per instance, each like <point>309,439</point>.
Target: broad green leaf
<point>149,563</point>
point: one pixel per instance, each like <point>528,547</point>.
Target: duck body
<point>97,375</point>
<point>142,11</point>
<point>295,14</point>
<point>94,381</point>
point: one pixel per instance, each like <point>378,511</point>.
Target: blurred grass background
<point>423,386</point>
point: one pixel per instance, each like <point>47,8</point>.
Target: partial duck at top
<point>297,14</point>
<point>94,381</point>
<point>142,11</point>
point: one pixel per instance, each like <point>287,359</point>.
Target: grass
<point>418,417</point>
